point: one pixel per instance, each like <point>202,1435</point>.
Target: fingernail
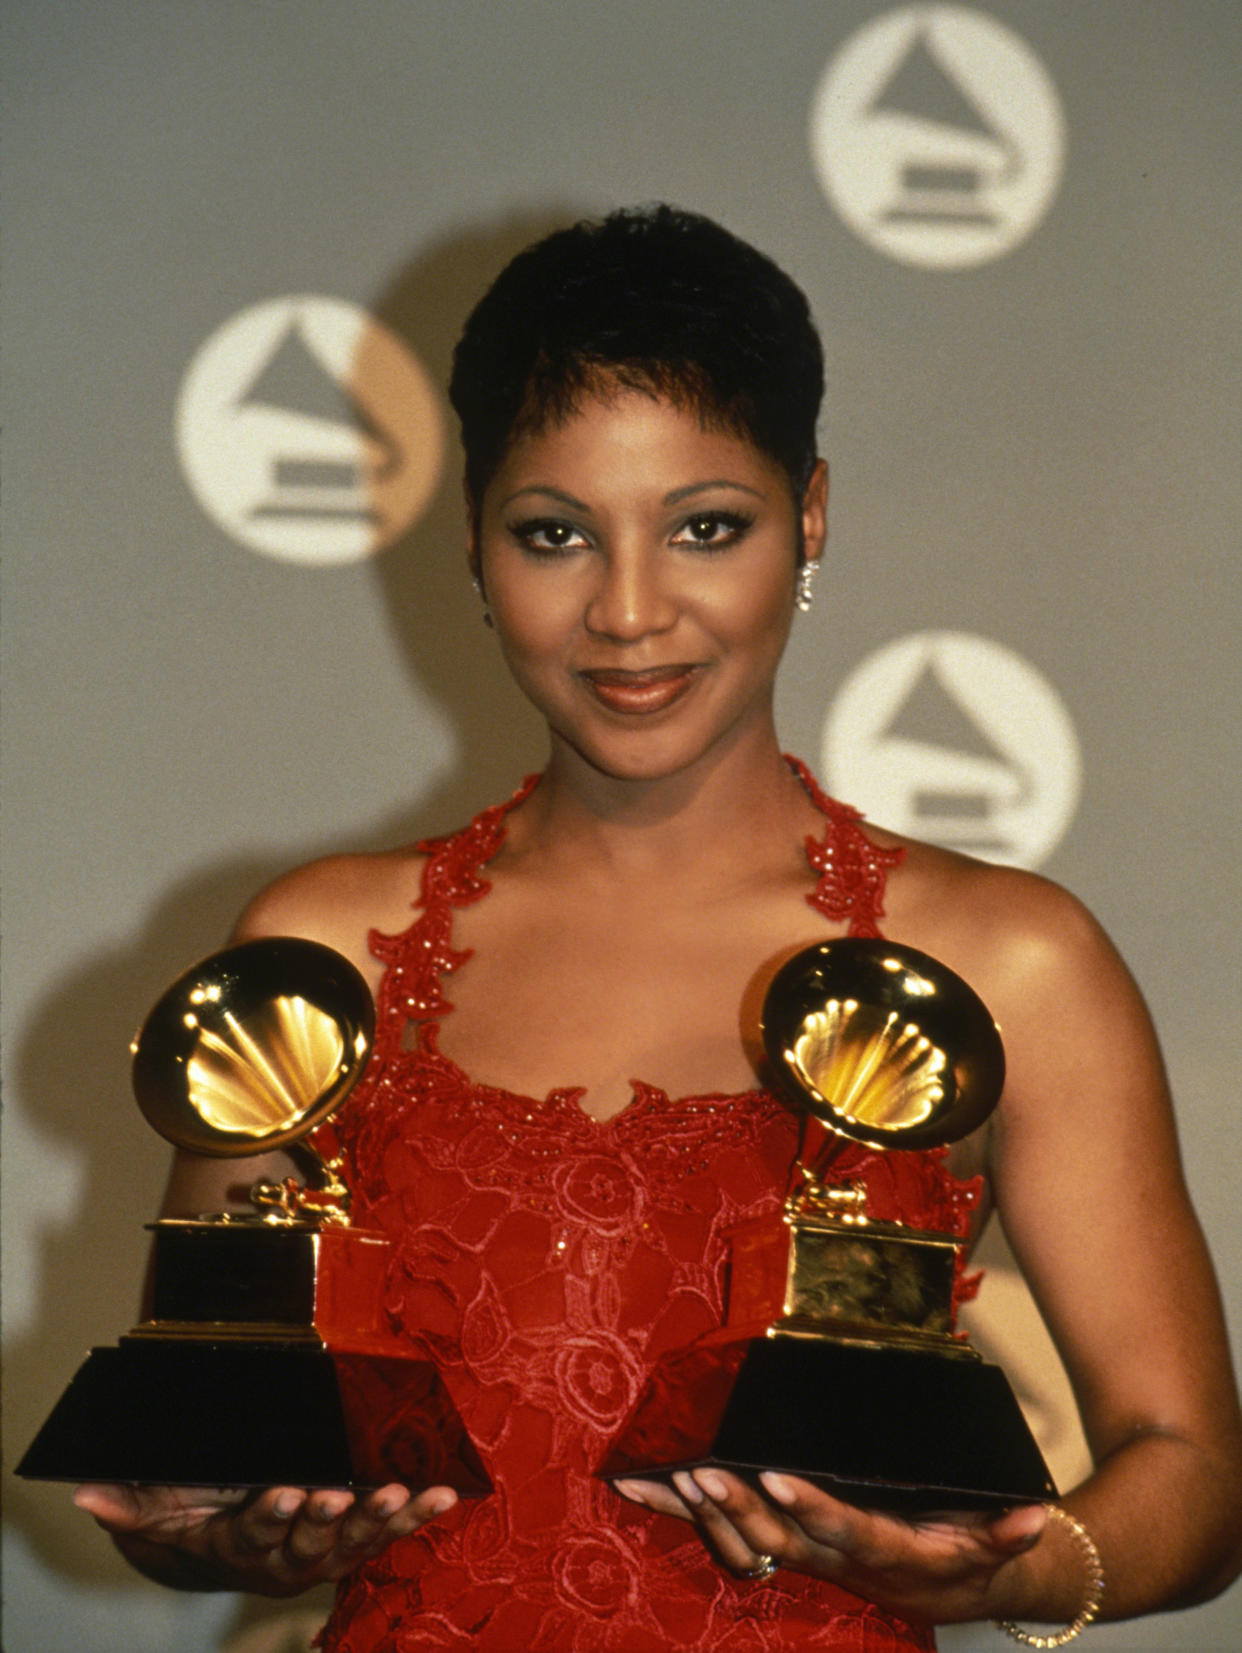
<point>287,1504</point>
<point>688,1488</point>
<point>631,1490</point>
<point>442,1502</point>
<point>776,1486</point>
<point>712,1485</point>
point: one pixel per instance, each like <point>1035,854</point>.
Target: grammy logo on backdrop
<point>266,1358</point>
<point>838,1362</point>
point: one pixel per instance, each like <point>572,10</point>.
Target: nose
<point>631,598</point>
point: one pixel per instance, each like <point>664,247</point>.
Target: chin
<point>646,755</point>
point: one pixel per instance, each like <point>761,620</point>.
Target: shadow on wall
<point>71,1066</point>
<point>433,611</point>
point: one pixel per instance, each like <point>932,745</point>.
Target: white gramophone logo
<point>938,136</point>
<point>308,431</point>
<point>958,740</point>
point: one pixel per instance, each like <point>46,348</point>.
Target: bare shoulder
<point>339,900</point>
<point>1014,934</point>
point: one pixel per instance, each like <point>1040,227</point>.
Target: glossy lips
<point>640,693</point>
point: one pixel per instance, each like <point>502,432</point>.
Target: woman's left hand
<point>934,1569</point>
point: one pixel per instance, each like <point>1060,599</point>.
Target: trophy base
<point>239,1412</point>
<point>886,1428</point>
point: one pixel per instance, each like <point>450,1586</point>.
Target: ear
<point>473,559</point>
<point>815,513</point>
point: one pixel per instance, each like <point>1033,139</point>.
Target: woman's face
<point>640,573</point>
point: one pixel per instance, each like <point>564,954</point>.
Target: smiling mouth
<point>640,693</point>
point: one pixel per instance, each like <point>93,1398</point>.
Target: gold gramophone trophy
<point>838,1362</point>
<point>266,1358</point>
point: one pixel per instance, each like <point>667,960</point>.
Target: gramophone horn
<point>254,1047</point>
<point>882,1044</point>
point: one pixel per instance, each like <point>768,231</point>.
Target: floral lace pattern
<point>547,1260</point>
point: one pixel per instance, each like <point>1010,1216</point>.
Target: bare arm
<point>1085,1171</point>
<point>1087,1176</point>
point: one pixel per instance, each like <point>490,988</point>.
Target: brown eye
<point>711,530</point>
<point>547,536</point>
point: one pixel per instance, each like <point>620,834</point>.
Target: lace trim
<point>853,872</point>
<point>851,875</point>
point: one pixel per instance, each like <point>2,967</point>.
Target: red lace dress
<point>547,1261</point>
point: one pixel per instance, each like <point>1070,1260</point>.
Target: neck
<point>735,808</point>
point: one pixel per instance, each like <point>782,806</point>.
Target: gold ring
<point>765,1566</point>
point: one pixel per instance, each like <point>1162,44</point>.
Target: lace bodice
<point>547,1260</point>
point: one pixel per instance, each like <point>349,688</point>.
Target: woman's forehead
<point>629,435</point>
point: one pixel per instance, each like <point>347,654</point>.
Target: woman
<point>564,1110</point>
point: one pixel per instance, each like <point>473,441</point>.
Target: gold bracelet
<point>1095,1587</point>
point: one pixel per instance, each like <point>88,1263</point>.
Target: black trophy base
<point>241,1413</point>
<point>882,1427</point>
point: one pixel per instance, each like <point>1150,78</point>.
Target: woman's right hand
<point>275,1542</point>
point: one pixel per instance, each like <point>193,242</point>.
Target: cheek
<point>535,623</point>
<point>758,609</point>
<point>529,625</point>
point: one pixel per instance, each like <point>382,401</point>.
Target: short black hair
<point>653,299</point>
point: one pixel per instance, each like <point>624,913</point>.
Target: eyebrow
<point>545,492</point>
<point>676,497</point>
